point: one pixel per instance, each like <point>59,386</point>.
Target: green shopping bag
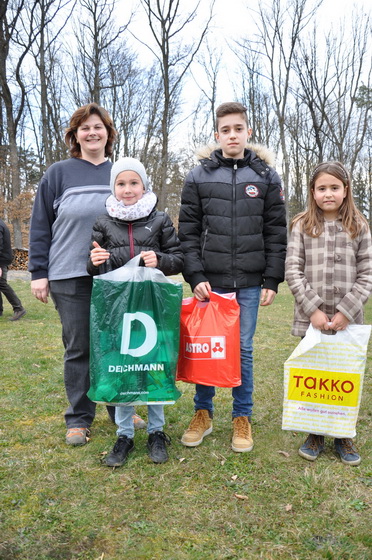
<point>134,336</point>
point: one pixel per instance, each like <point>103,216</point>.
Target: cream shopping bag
<point>323,380</point>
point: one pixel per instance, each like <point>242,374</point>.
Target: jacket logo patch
<point>281,194</point>
<point>252,191</point>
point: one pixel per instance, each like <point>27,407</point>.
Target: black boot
<point>156,445</point>
<point>123,446</point>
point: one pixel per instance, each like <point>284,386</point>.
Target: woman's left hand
<point>149,258</point>
<point>40,289</point>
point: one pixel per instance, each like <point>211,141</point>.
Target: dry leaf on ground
<point>284,453</point>
<point>241,497</point>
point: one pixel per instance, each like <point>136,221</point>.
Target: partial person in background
<point>6,258</point>
<point>70,197</point>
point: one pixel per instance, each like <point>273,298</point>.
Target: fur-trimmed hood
<point>259,149</point>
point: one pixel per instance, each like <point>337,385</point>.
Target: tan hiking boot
<point>242,435</point>
<point>200,426</point>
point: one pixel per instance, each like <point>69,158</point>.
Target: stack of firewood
<point>20,260</point>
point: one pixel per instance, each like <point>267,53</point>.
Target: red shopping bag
<point>210,341</point>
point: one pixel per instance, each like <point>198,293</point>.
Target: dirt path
<point>19,275</point>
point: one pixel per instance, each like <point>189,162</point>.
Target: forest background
<point>161,68</point>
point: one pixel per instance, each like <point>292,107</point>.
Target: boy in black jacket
<point>232,229</point>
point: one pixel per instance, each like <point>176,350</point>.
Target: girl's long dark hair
<point>312,219</point>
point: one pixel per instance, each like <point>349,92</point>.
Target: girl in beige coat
<point>329,270</point>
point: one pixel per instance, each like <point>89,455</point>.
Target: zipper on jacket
<point>233,248</point>
<point>204,242</point>
<point>131,240</point>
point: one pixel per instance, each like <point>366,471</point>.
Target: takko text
<point>326,384</point>
<point>318,386</point>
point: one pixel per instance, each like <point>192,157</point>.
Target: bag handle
<point>357,334</point>
<point>215,296</point>
<point>192,302</point>
<point>134,262</point>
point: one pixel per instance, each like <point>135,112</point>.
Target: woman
<point>70,197</point>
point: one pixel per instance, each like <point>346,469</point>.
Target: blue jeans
<point>249,300</point>
<point>72,300</point>
<point>124,420</point>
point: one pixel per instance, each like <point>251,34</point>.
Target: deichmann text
<point>136,367</point>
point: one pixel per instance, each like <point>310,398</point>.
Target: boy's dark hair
<point>229,108</point>
<point>77,119</point>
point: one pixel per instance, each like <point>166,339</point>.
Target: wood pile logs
<point>20,260</point>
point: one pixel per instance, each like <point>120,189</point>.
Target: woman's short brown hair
<point>80,116</point>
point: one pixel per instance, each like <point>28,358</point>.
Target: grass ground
<point>60,503</point>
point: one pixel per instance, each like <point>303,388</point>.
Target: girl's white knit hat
<point>129,164</point>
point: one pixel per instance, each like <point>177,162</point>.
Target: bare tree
<point>47,62</point>
<point>205,76</point>
<point>279,29</point>
<point>47,91</point>
<point>174,57</point>
<point>152,111</point>
<point>134,99</point>
<point>301,154</point>
<point>331,80</point>
<point>107,71</point>
<point>256,96</point>
<point>13,90</point>
<point>95,33</point>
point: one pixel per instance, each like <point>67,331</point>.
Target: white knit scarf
<point>140,209</point>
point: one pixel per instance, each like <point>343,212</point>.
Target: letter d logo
<point>150,338</point>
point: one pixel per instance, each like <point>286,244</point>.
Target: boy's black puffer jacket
<point>125,240</point>
<point>232,224</point>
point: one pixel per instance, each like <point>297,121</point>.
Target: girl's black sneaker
<point>156,445</point>
<point>123,446</point>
